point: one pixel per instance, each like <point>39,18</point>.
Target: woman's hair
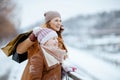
<point>45,25</point>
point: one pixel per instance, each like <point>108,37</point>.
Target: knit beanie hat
<point>50,15</point>
<point>44,34</point>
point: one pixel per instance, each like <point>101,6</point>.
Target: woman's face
<point>55,24</point>
<point>53,42</point>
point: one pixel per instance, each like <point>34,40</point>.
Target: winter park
<point>91,35</point>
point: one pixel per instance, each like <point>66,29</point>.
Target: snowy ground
<point>89,66</point>
<point>95,67</point>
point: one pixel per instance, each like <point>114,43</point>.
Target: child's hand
<point>70,69</point>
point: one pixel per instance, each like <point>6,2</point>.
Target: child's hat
<point>44,34</point>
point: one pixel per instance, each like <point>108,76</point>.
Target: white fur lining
<point>50,59</point>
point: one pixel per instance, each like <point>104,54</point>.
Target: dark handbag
<point>19,57</point>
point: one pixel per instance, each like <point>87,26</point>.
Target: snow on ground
<point>7,65</point>
<point>90,67</point>
<point>113,58</point>
<point>94,66</point>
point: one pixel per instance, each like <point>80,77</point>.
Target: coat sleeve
<point>36,67</point>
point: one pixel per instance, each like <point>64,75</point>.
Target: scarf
<point>57,53</point>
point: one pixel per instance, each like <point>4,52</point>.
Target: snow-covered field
<point>89,67</point>
<point>95,67</point>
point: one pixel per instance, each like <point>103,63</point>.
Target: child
<point>47,38</point>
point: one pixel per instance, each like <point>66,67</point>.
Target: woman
<point>52,21</point>
<point>31,45</point>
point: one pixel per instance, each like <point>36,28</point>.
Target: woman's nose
<point>59,23</point>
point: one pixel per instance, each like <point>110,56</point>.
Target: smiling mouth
<point>57,27</point>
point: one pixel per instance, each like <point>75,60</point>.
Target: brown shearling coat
<point>40,70</point>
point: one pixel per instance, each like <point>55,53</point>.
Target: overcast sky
<point>33,10</point>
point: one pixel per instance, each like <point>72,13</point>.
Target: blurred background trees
<point>9,20</point>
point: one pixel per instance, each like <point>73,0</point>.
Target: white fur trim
<point>49,58</point>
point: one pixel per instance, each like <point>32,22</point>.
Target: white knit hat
<point>44,34</point>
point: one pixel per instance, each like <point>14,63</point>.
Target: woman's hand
<point>61,28</point>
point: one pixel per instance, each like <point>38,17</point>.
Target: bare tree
<point>8,19</point>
